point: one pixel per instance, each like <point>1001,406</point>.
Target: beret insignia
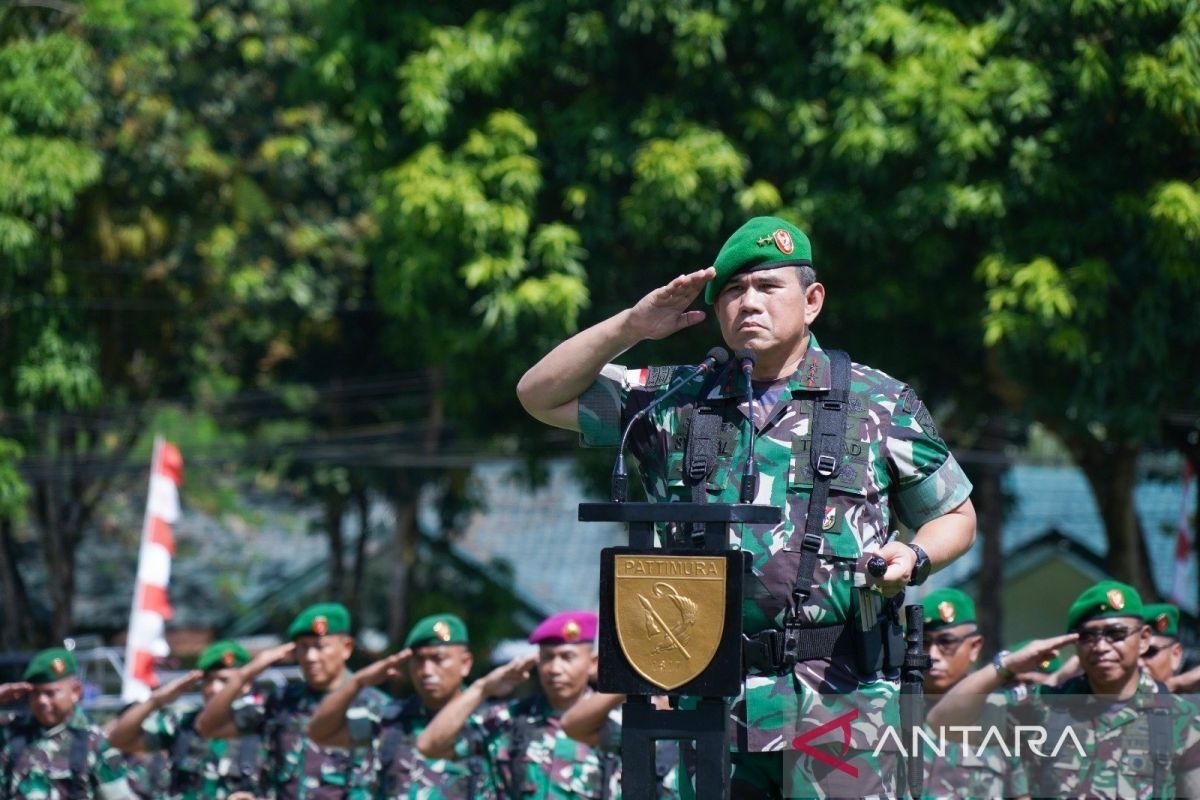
<point>320,625</point>
<point>571,631</point>
<point>783,240</point>
<point>1115,599</point>
<point>1161,622</point>
<point>59,666</point>
<point>227,658</point>
<point>441,630</point>
<point>946,611</point>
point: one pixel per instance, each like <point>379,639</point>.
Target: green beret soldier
<point>212,769</point>
<point>438,659</point>
<point>953,642</point>
<point>893,467</point>
<point>528,753</point>
<point>1133,740</point>
<point>296,767</point>
<point>1164,656</point>
<point>52,751</point>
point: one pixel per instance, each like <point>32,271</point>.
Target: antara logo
<point>841,723</point>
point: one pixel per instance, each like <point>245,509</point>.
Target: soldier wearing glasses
<point>1138,740</point>
<point>953,642</point>
<point>1164,655</point>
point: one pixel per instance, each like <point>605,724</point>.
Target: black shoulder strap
<point>77,762</point>
<point>1057,720</point>
<point>249,747</point>
<point>389,748</point>
<point>519,750</point>
<point>1160,737</point>
<point>828,441</point>
<point>12,756</point>
<point>179,750</point>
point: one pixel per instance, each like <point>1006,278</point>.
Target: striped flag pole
<point>1183,540</point>
<point>145,640</point>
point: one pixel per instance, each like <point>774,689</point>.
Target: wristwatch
<point>921,568</point>
<point>1004,672</point>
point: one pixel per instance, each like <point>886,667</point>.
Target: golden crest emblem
<point>670,613</point>
<point>441,630</point>
<point>1116,600</point>
<point>227,658</point>
<point>946,611</point>
<point>58,666</point>
<point>1161,622</point>
<point>830,518</point>
<point>320,626</point>
<point>571,632</point>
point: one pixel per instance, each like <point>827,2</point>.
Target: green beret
<point>1163,619</point>
<point>438,629</point>
<point>51,665</point>
<point>946,607</point>
<point>221,655</point>
<point>762,243</point>
<point>1047,667</point>
<point>1105,599</point>
<point>319,620</point>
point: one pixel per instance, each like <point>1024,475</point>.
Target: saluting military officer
<point>200,768</point>
<point>1164,655</point>
<point>953,642</point>
<point>528,753</point>
<point>438,658</point>
<point>883,463</point>
<point>1128,737</point>
<point>297,768</point>
<point>53,751</point>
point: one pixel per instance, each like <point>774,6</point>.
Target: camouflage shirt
<point>895,469</point>
<point>36,762</point>
<point>296,767</point>
<point>1114,736</point>
<point>529,756</point>
<point>400,770</point>
<point>202,768</point>
<point>973,771</point>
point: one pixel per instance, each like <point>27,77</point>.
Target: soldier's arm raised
<point>964,702</point>
<point>550,389</point>
<point>438,738</point>
<point>584,720</point>
<point>216,720</point>
<point>328,725</point>
<point>126,732</point>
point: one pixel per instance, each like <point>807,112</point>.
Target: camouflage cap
<point>222,655</point>
<point>1163,619</point>
<point>51,665</point>
<point>320,619</point>
<point>1048,666</point>
<point>1105,599</point>
<point>437,629</point>
<point>761,243</point>
<point>946,607</point>
<point>568,627</point>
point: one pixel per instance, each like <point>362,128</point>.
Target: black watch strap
<point>922,568</point>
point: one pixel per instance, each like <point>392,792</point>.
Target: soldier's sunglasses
<point>1153,650</point>
<point>947,642</point>
<point>1112,634</point>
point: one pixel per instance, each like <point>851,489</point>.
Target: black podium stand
<point>720,678</point>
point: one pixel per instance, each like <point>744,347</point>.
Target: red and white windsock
<point>146,641</point>
<point>1181,588</point>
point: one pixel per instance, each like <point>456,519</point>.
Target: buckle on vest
<point>826,465</point>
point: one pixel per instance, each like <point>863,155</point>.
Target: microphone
<point>746,360</point>
<point>717,357</point>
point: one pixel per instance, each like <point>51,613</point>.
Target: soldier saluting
<point>53,751</point>
<point>881,463</point>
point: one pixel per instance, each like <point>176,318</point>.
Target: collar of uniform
<point>811,375</point>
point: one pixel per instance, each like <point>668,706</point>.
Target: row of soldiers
<point>336,734</point>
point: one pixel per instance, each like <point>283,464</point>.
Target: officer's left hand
<point>900,559</point>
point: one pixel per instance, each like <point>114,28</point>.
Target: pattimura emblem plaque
<point>670,614</point>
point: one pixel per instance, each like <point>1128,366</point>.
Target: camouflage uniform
<point>296,767</point>
<point>202,768</point>
<point>973,772</point>
<point>1115,739</point>
<point>36,763</point>
<point>393,735</point>
<point>529,756</point>
<point>895,467</point>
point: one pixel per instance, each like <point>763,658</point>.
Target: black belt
<point>765,651</point>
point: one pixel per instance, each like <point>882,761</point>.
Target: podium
<point>671,624</point>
